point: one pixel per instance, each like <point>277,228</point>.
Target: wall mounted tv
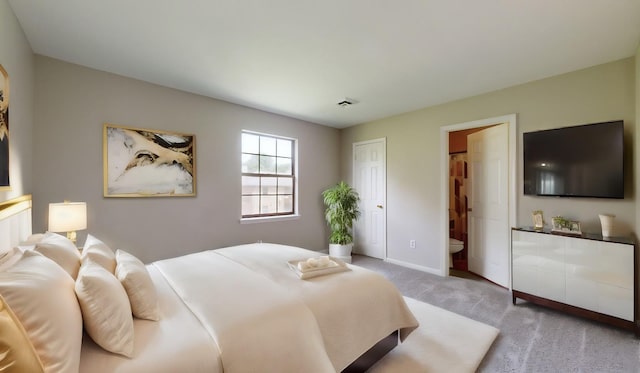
<point>579,161</point>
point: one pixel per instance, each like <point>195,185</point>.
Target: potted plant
<point>341,201</point>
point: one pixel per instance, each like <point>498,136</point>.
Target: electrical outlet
<point>412,244</point>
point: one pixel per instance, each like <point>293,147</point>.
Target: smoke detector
<point>347,102</point>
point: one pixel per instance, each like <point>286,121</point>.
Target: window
<point>268,175</point>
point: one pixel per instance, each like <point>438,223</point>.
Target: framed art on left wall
<point>4,130</point>
<point>140,162</point>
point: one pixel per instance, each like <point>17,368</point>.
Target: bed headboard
<point>15,222</point>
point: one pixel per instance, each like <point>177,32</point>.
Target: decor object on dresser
<point>538,220</point>
<point>4,129</point>
<point>341,201</point>
<point>586,276</point>
<point>606,220</point>
<point>68,217</point>
<point>147,163</point>
<point>565,226</point>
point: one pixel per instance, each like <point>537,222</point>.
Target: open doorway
<point>459,183</point>
<point>508,194</point>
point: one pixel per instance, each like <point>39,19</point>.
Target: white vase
<point>607,224</point>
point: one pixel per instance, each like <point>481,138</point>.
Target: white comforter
<point>176,343</point>
<point>256,315</point>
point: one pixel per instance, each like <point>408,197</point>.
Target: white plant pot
<point>342,252</point>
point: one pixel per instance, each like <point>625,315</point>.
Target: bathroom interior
<point>458,201</point>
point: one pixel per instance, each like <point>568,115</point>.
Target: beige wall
<point>17,59</point>
<point>596,94</point>
<point>73,102</point>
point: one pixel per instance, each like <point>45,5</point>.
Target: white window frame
<point>294,158</point>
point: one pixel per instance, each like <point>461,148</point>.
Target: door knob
<point>379,206</point>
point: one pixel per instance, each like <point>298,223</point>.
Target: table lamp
<point>68,217</point>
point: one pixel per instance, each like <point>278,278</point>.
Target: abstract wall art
<point>148,163</point>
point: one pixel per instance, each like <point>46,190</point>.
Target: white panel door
<point>488,152</point>
<point>369,179</point>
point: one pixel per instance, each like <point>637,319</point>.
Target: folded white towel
<point>312,264</point>
<point>318,266</point>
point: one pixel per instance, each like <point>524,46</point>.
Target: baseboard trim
<point>433,271</point>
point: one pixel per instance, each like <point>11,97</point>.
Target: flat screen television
<point>579,161</point>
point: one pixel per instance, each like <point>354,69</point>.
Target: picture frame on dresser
<point>538,220</point>
<point>140,162</point>
<point>565,226</point>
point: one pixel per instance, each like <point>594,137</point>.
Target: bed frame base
<point>375,353</point>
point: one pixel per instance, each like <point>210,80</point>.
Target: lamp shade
<point>67,216</point>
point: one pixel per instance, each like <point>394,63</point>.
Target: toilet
<point>454,247</point>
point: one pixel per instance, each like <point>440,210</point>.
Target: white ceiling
<point>300,57</point>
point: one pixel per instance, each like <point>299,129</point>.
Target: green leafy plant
<point>561,222</point>
<point>341,202</point>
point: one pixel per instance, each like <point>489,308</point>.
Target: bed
<point>233,309</point>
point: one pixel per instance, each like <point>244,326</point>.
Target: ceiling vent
<point>347,102</point>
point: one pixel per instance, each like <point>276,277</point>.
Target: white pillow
<point>61,250</point>
<point>105,309</point>
<point>33,239</point>
<point>135,278</point>
<point>41,294</point>
<point>99,252</point>
<point>9,258</point>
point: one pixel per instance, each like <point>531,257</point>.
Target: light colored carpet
<point>444,342</point>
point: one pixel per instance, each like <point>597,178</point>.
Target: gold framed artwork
<point>4,129</point>
<point>140,162</point>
